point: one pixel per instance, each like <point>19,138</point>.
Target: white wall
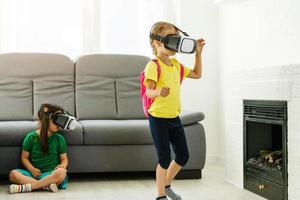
<point>260,32</point>
<point>256,37</point>
<point>199,19</point>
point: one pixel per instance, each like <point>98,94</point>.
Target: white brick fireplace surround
<point>259,45</point>
<point>270,83</point>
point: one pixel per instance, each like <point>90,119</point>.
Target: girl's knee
<point>164,162</point>
<point>182,160</point>
<point>60,173</point>
<point>12,175</point>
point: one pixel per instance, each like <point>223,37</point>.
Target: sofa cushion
<point>106,132</point>
<point>74,137</point>
<point>106,84</point>
<point>95,97</point>
<point>60,92</point>
<point>29,79</point>
<point>129,98</point>
<point>15,99</point>
<point>123,132</point>
<point>12,133</point>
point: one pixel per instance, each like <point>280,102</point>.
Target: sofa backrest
<point>107,86</point>
<point>29,79</point>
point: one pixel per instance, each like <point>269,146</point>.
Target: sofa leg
<point>189,174</point>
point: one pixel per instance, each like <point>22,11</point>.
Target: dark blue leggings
<point>165,131</point>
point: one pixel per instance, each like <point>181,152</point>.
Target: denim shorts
<point>63,185</point>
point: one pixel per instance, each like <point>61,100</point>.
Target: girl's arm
<point>63,161</point>
<point>196,73</point>
<point>151,92</point>
<point>27,164</point>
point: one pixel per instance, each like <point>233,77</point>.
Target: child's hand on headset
<point>200,44</point>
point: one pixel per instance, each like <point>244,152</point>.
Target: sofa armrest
<point>191,117</point>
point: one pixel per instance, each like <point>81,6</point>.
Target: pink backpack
<point>146,100</point>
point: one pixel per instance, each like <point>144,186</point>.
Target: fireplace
<point>265,148</point>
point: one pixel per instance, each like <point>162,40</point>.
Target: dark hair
<point>44,114</point>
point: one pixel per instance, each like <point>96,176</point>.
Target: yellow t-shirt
<point>169,106</point>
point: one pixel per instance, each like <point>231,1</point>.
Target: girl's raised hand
<point>200,44</point>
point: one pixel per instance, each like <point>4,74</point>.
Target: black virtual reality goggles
<point>178,43</point>
<point>64,120</point>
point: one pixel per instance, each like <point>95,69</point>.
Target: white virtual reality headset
<point>64,120</point>
<point>178,43</point>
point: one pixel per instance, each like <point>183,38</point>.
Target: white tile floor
<point>211,187</point>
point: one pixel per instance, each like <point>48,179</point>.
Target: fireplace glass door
<point>265,148</point>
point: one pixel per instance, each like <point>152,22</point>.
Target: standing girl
<point>165,124</point>
<point>43,155</point>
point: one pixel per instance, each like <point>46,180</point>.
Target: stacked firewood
<point>269,159</point>
<point>272,156</point>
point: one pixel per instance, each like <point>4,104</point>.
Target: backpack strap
<point>158,69</point>
<point>181,72</point>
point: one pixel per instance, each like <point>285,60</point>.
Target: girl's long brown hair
<point>44,113</point>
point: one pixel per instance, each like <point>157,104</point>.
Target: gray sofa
<point>102,91</point>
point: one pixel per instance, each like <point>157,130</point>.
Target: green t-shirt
<point>44,162</point>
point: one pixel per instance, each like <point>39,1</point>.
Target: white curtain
<point>75,27</point>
